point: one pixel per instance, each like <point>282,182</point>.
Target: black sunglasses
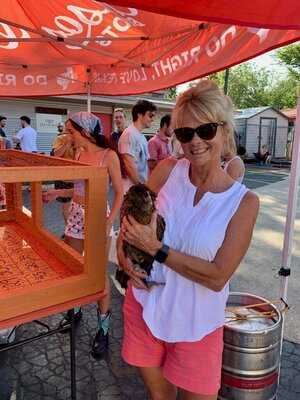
<point>204,131</point>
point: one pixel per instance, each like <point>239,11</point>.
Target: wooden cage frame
<point>88,272</point>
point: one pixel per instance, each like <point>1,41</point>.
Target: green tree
<point>284,93</point>
<point>218,77</point>
<point>248,86</point>
<point>254,87</point>
<point>171,93</point>
<point>290,56</point>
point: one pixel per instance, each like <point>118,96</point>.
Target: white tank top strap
<point>226,163</point>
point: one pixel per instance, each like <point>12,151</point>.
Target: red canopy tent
<point>272,14</point>
<point>77,46</point>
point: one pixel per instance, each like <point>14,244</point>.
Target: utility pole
<point>226,79</point>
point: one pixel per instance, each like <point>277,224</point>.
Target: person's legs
<point>101,340</point>
<point>195,367</point>
<point>141,349</point>
<point>158,387</point>
<point>104,302</point>
<point>65,207</point>
<point>78,245</point>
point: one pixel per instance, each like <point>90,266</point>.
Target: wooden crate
<point>39,273</point>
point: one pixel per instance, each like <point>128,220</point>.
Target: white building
<point>45,113</point>
<point>260,126</point>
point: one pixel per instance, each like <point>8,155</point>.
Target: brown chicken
<point>139,202</point>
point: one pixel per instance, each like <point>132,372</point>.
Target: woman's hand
<point>135,273</point>
<point>49,196</point>
<point>69,139</point>
<point>144,237</point>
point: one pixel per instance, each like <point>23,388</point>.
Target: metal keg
<point>251,349</point>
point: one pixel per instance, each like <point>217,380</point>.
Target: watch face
<point>162,254</point>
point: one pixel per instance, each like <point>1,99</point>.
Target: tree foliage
<point>247,86</point>
<point>290,56</point>
<point>255,87</point>
<point>284,93</point>
<point>171,93</point>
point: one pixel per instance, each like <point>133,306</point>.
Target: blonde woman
<point>174,332</point>
<point>232,163</point>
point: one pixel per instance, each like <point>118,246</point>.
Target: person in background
<point>5,144</point>
<point>88,136</point>
<point>26,137</point>
<point>159,145</point>
<point>133,145</point>
<point>173,332</point>
<point>60,128</point>
<point>2,126</point>
<point>120,124</point>
<point>264,153</point>
<point>63,146</point>
<point>231,162</point>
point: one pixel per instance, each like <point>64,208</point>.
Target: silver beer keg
<point>251,349</point>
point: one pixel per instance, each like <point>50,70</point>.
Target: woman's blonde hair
<point>206,102</point>
<point>229,147</point>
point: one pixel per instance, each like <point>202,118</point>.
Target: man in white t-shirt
<point>133,145</point>
<point>26,136</point>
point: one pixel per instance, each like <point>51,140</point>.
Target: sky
<point>266,60</point>
<point>269,61</point>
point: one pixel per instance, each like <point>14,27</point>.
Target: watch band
<point>162,254</point>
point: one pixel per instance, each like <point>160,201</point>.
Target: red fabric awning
<point>272,14</point>
<point>59,47</point>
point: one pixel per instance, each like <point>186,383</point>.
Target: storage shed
<point>262,126</point>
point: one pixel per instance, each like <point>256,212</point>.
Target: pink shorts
<point>192,366</point>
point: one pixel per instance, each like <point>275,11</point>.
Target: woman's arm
<point>160,174</point>
<point>130,168</point>
<point>52,195</point>
<point>114,170</point>
<point>62,144</point>
<point>213,275</point>
<point>60,151</point>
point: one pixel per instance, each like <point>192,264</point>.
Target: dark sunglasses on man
<point>204,131</point>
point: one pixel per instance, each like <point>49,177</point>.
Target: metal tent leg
<point>73,355</point>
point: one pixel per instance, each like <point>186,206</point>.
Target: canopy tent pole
<point>226,80</point>
<point>89,100</point>
<point>285,269</point>
<point>88,86</point>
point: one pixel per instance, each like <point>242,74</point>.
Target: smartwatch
<point>162,254</point>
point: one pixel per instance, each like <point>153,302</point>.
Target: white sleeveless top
<point>225,165</point>
<point>182,310</point>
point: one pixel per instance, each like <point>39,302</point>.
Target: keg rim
<point>269,329</point>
